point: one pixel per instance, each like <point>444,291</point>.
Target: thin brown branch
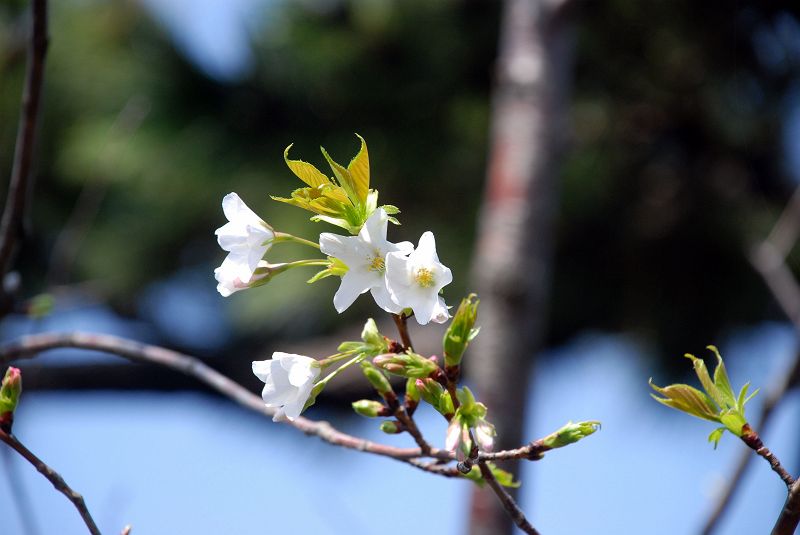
<point>753,441</point>
<point>32,345</point>
<point>53,477</point>
<point>790,514</point>
<point>508,502</point>
<point>411,426</point>
<point>434,468</point>
<point>11,223</point>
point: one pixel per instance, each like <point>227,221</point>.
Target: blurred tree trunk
<point>513,257</point>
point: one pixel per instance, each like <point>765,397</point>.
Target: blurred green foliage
<point>675,161</point>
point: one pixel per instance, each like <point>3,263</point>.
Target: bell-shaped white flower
<point>457,439</point>
<point>228,280</point>
<point>365,258</point>
<point>414,281</point>
<point>288,381</point>
<point>484,434</point>
<point>247,238</point>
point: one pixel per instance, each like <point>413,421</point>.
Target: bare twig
<point>508,502</point>
<point>54,478</point>
<point>30,346</point>
<point>12,221</point>
<point>790,514</point>
<point>753,441</point>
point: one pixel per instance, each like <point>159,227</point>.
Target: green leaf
<point>345,180</point>
<point>359,171</point>
<point>305,171</point>
<point>687,399</point>
<point>716,435</point>
<point>721,380</point>
<point>705,379</point>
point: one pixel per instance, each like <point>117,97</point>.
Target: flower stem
<point>334,373</point>
<point>284,237</point>
<point>308,262</point>
<point>401,320</point>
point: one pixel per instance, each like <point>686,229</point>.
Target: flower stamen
<point>424,277</point>
<point>378,264</point>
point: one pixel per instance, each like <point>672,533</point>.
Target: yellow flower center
<point>424,277</point>
<point>377,264</point>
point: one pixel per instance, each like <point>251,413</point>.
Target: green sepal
<point>716,435</point>
<point>734,421</point>
<point>335,268</point>
<point>312,398</point>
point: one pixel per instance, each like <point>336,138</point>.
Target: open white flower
<point>288,381</point>
<point>414,281</point>
<point>365,258</point>
<point>246,238</point>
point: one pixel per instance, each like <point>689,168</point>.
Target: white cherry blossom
<point>288,381</point>
<point>246,238</point>
<point>414,281</point>
<point>365,258</point>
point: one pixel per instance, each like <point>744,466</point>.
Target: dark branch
<point>11,224</point>
<point>54,478</point>
<point>508,502</point>
<point>790,514</point>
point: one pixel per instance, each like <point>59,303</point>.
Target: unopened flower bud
<point>390,427</point>
<point>570,433</point>
<point>369,408</point>
<point>408,365</point>
<point>10,390</point>
<point>378,381</point>
<point>412,393</point>
<point>430,390</point>
<point>461,331</point>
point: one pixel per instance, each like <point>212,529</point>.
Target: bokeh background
<point>684,147</point>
